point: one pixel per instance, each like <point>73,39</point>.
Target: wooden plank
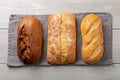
<point>58,72</point>
<point>41,7</point>
<point>4,46</point>
<point>116,46</point>
<point>61,72</point>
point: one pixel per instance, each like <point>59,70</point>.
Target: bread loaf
<point>61,48</point>
<point>29,39</point>
<point>92,39</point>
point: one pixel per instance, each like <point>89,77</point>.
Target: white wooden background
<point>8,7</point>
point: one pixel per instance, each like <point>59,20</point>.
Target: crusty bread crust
<point>61,47</point>
<point>92,38</point>
<point>29,39</point>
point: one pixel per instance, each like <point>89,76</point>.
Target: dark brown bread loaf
<point>29,39</point>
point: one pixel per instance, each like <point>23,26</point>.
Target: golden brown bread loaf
<point>29,39</point>
<point>61,48</point>
<point>92,39</point>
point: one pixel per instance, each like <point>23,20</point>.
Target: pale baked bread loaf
<point>92,38</point>
<point>61,48</point>
<point>29,39</point>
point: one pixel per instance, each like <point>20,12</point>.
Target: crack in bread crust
<point>29,40</point>
<point>24,45</point>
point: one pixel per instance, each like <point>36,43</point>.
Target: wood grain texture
<point>116,46</point>
<point>56,73</point>
<point>41,7</point>
<point>3,45</point>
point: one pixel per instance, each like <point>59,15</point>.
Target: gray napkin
<point>13,60</point>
